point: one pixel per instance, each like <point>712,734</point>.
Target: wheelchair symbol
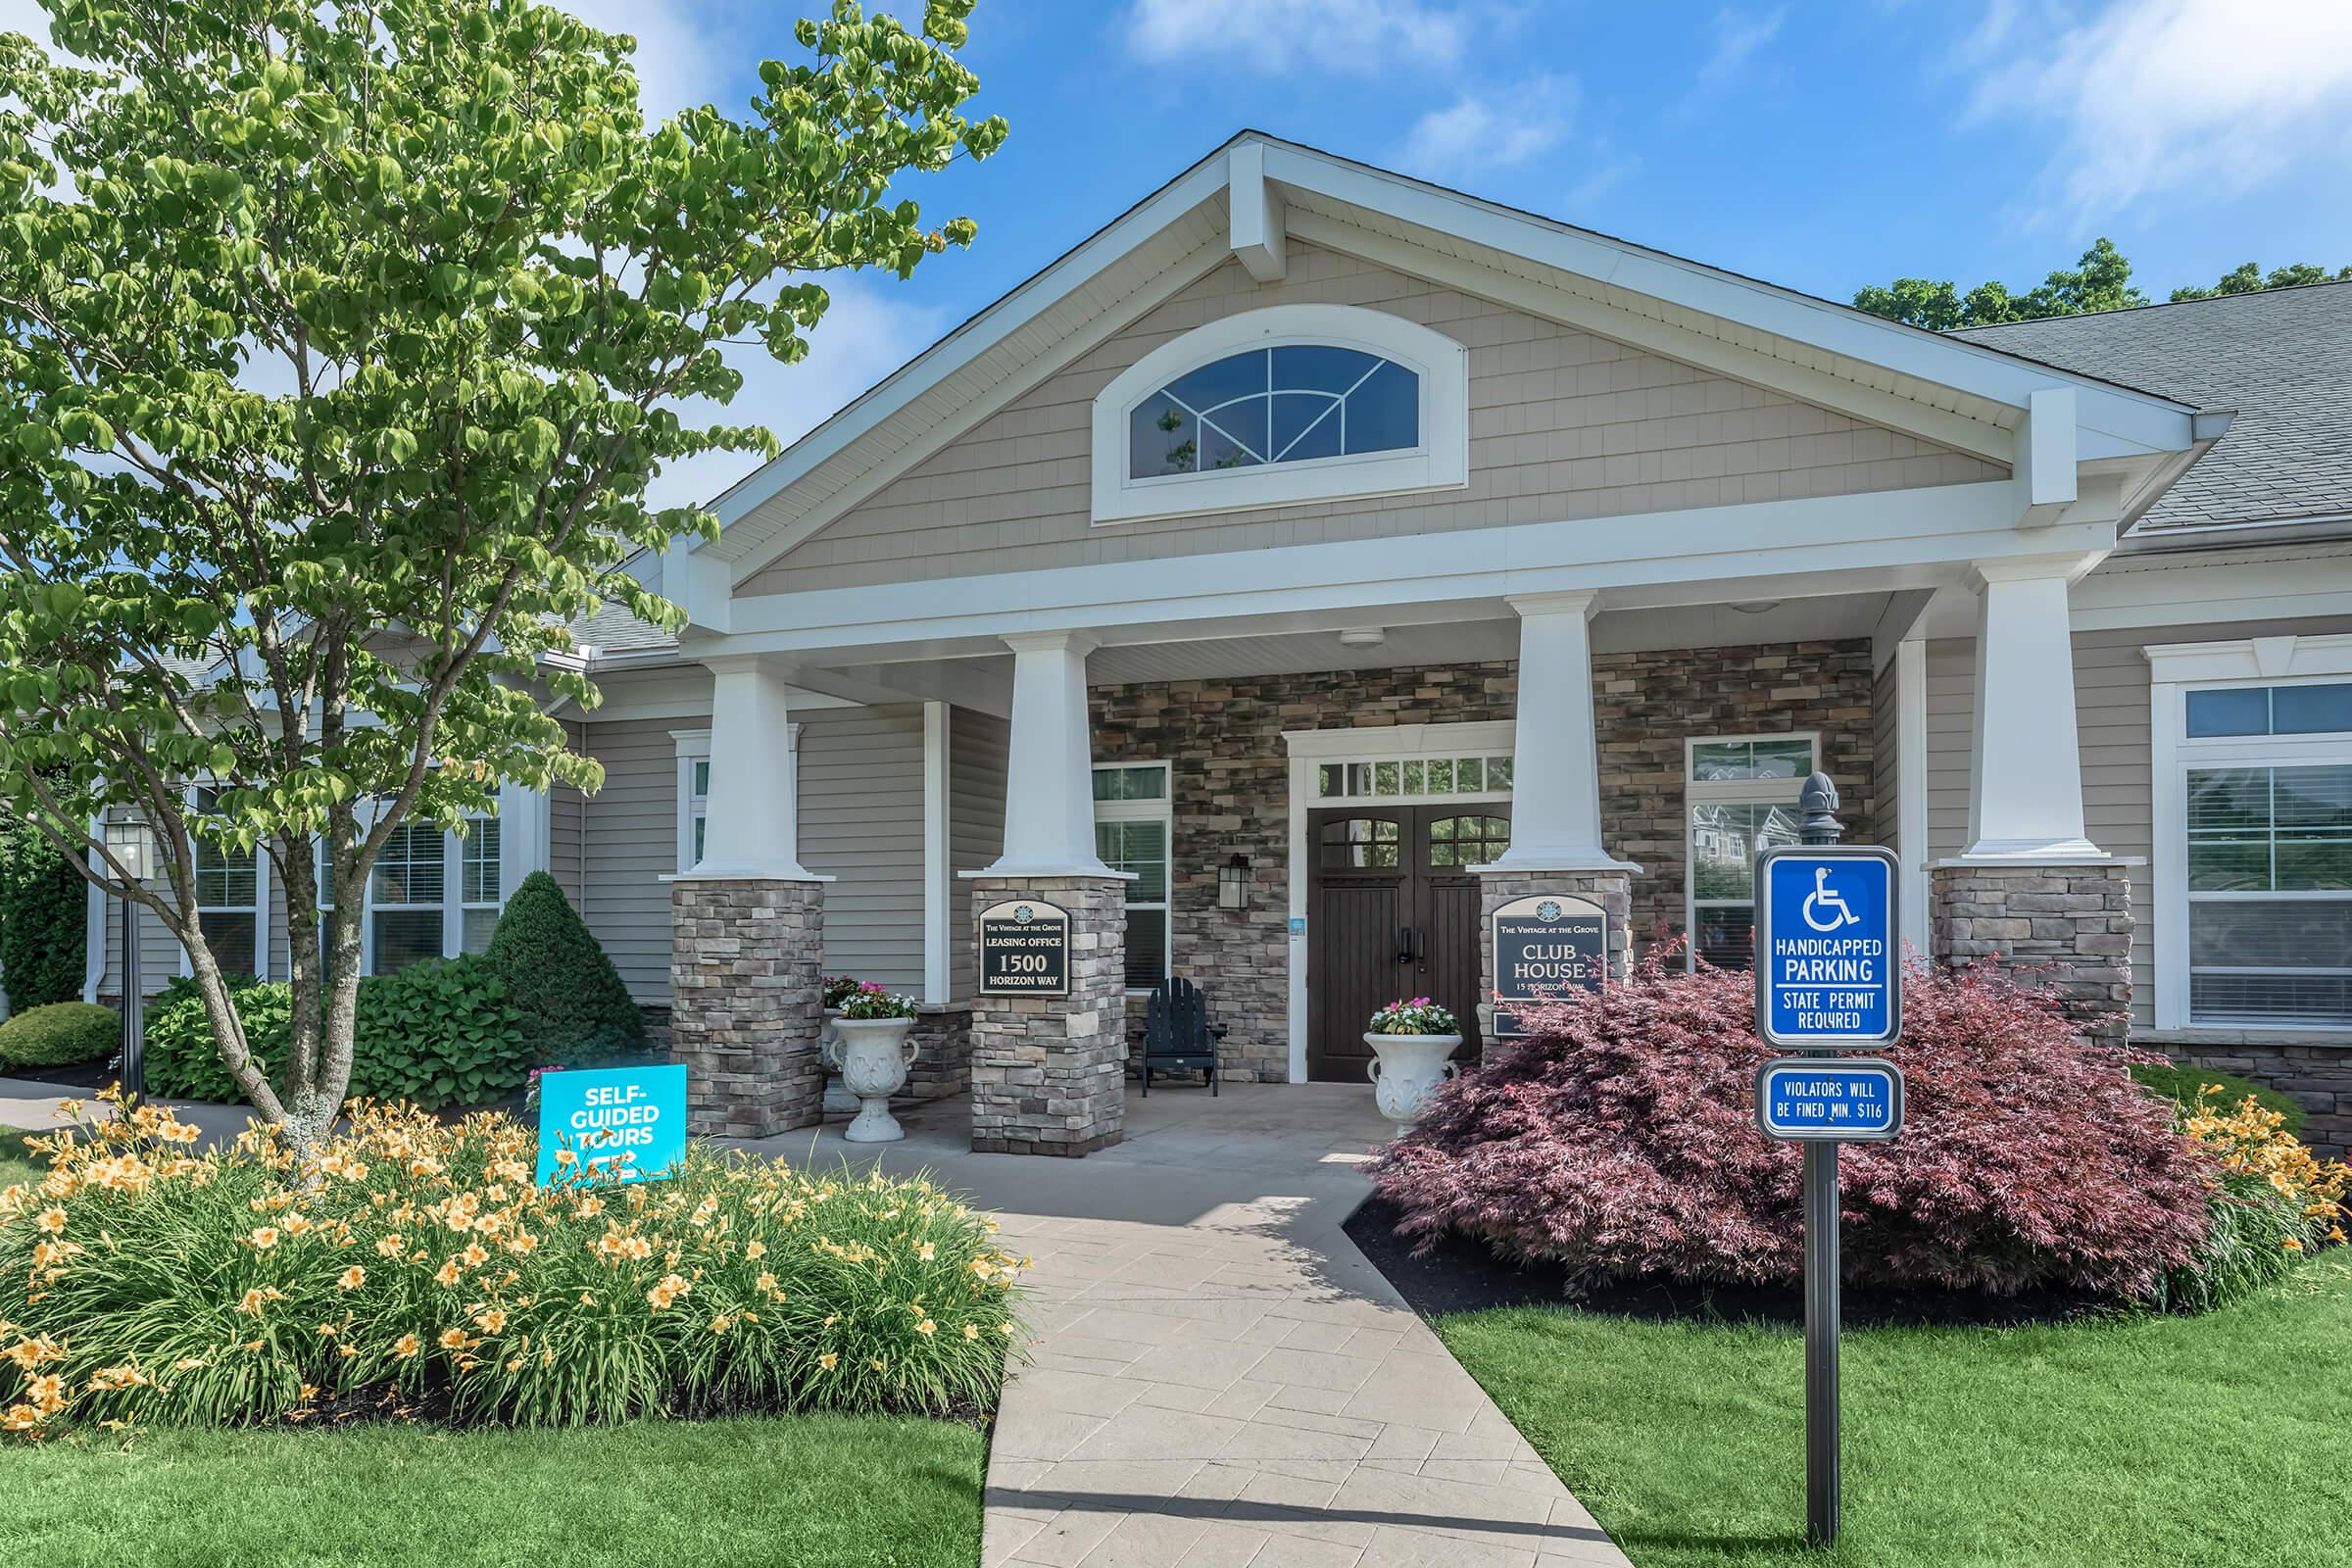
<point>1831,902</point>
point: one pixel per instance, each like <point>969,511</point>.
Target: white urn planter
<point>1405,1069</point>
<point>874,1054</point>
<point>839,1102</point>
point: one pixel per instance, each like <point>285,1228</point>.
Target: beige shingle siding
<point>2111,720</point>
<point>977,749</point>
<point>1563,424</point>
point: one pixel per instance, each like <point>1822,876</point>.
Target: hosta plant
<point>1416,1017</point>
<point>409,1264</point>
<point>1621,1140</point>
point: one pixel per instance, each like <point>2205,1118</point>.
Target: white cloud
<point>2180,94</point>
<point>1738,37</point>
<point>870,330</point>
<point>1275,37</point>
<point>1490,129</point>
<point>681,60</point>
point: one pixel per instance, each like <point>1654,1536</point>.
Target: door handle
<point>1404,945</point>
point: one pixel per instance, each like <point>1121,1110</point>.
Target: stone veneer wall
<point>943,1061</point>
<point>1048,1072</point>
<point>1231,783</point>
<point>2067,926</point>
<point>744,964</point>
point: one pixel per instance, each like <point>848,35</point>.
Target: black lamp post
<point>132,847</point>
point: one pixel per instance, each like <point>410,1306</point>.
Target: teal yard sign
<point>624,1124</point>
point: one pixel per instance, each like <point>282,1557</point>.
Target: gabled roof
<point>1960,394</point>
<point>2283,358</point>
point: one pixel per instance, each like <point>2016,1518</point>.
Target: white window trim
<point>522,848</point>
<point>1440,462</point>
<point>2174,670</point>
<point>1730,791</point>
<point>694,745</point>
<point>261,902</point>
<point>1163,811</point>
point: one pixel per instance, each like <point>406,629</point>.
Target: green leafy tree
<point>2251,280</point>
<point>337,346</point>
<point>2100,281</point>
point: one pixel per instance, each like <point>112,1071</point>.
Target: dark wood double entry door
<point>1391,911</point>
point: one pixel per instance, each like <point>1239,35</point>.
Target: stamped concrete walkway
<point>1219,1378</point>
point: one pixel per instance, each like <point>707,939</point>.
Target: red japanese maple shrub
<point>1621,1141</point>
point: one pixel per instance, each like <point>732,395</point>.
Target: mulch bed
<point>1462,1274</point>
<point>86,1075</point>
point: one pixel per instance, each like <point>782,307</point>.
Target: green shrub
<point>2181,1086</point>
<point>44,930</point>
<point>439,1032</point>
<point>418,1261</point>
<point>61,1034</point>
<point>574,1001</point>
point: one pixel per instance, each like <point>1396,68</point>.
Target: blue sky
<point>1820,146</point>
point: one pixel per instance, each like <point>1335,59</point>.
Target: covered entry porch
<point>1310,812</point>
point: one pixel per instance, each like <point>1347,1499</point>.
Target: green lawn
<point>16,1165</point>
<point>814,1492</point>
<point>2223,1439</point>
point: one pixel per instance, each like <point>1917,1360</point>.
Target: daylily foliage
<point>340,344</point>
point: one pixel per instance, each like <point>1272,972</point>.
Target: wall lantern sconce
<point>1233,883</point>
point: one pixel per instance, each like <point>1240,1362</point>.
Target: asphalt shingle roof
<point>2283,358</point>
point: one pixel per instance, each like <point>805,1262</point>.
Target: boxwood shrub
<point>2186,1086</point>
<point>439,1032</point>
<point>63,1034</point>
<point>575,1006</point>
<point>413,1266</point>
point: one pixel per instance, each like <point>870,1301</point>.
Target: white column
<point>1556,772</point>
<point>1048,780</point>
<point>753,822</point>
<point>2025,783</point>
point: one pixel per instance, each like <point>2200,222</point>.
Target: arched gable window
<point>1279,406</point>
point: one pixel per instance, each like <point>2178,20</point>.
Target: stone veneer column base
<point>1049,1073</point>
<point>1613,890</point>
<point>2069,924</point>
<point>746,961</point>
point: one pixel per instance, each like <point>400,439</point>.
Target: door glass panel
<point>1361,844</point>
<point>1468,840</point>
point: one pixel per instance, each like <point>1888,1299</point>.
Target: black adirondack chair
<point>1177,1034</point>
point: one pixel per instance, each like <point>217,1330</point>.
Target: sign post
<point>1829,979</point>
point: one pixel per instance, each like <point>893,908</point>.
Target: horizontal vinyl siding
<point>1563,425</point>
<point>978,747</point>
<point>2111,721</point>
<point>862,822</point>
<point>631,842</point>
<point>566,827</point>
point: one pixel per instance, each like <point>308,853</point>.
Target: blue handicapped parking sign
<point>1828,963</point>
